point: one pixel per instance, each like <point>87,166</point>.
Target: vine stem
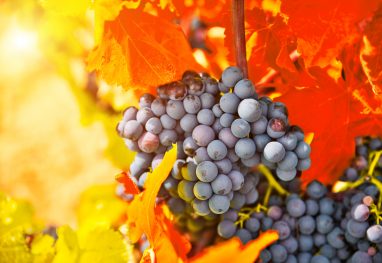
<point>239,35</point>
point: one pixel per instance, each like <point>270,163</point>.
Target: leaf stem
<point>239,35</point>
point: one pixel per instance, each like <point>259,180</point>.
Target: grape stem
<point>239,35</point>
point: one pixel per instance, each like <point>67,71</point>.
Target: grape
<point>167,122</point>
<point>251,197</point>
<point>245,148</point>
<point>201,155</point>
<point>277,110</point>
<point>290,244</point>
<point>176,205</point>
<point>168,137</point>
<point>240,128</point>
<point>304,257</point>
<point>224,166</point>
<point>144,114</point>
<point>226,120</point>
<point>319,239</point>
<point>351,174</point>
<point>154,125</point>
<point>157,160</point>
<point>219,204</point>
<point>175,109</point>
<point>291,259</point>
<point>266,223</point>
<point>306,225</point>
<point>276,128</point>
<point>377,257</point>
<point>217,127</point>
<point>158,107</point>
<point>206,171</point>
<point>244,235</point>
<point>279,253</point>
<point>232,156</point>
<point>316,190</point>
<point>303,164</point>
<point>286,175</point>
<point>189,171</point>
<point>374,233</point>
<point>327,206</point>
<point>188,122</point>
<point>238,201</point>
<point>363,245</point>
<point>252,224</point>
<point>222,185</point>
<point>261,141</point>
<point>237,179</point>
<point>357,229</point>
<point>217,111</point>
<point>274,152</point>
<point>360,257</point>
<point>200,207</point>
<point>130,113</point>
<point>289,141</point>
<point>249,110</point>
<point>250,182</point>
<point>142,179</point>
<point>185,190</point>
<point>231,76</point>
<point>207,100</point>
<point>265,256</point>
<point>274,212</point>
<point>206,117</point>
<point>148,142</point>
<point>195,86</point>
<point>259,126</point>
<point>226,136</point>
<point>217,150</point>
<point>267,163</point>
<point>226,229</point>
<point>296,207</point>
<point>319,259</point>
<point>131,145</point>
<point>132,130</point>
<point>203,135</point>
<point>202,190</point>
<point>282,229</point>
<point>251,162</point>
<point>223,88</point>
<point>336,238</point>
<point>229,103</point>
<point>244,89</point>
<point>305,243</point>
<point>145,100</point>
<point>324,224</point>
<point>289,162</point>
<point>312,207</point>
<point>302,150</point>
<point>211,86</point>
<point>176,169</point>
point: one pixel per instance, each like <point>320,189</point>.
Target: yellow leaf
<point>67,246</point>
<point>67,7</point>
<point>42,249</point>
<point>13,247</point>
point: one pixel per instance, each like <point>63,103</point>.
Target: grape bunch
<point>318,225</point>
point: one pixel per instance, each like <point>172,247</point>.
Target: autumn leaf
<point>139,50</point>
<point>145,217</point>
<point>128,183</point>
<point>323,28</point>
<point>232,250</point>
<point>371,53</point>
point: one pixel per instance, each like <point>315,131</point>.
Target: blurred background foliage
<point>56,120</point>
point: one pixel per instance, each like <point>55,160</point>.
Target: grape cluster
<point>318,225</point>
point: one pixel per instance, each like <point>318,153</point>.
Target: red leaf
<point>323,27</point>
<point>371,52</point>
<point>125,179</point>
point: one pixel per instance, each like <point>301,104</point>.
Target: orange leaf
<point>142,51</point>
<point>232,250</point>
<point>145,217</point>
<point>371,53</point>
<point>323,27</point>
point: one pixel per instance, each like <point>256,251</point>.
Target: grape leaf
<point>323,28</point>
<point>139,50</point>
<point>232,250</point>
<point>143,216</point>
<point>371,53</point>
